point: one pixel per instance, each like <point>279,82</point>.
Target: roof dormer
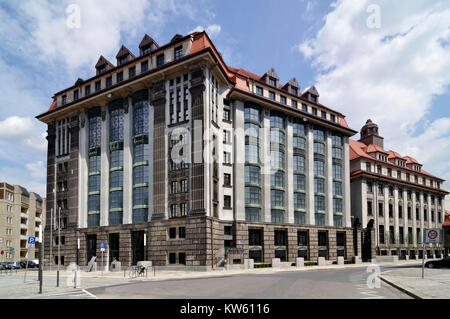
<point>312,95</point>
<point>292,87</point>
<point>103,65</point>
<point>271,78</point>
<point>176,38</point>
<point>147,45</point>
<point>124,55</point>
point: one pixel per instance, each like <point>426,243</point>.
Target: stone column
<point>329,180</point>
<point>198,169</point>
<point>239,159</point>
<point>346,186</point>
<point>405,217</point>
<point>104,177</point>
<point>422,220</point>
<point>127,161</point>
<point>430,223</point>
<point>151,116</point>
<point>83,172</point>
<point>158,101</point>
<point>414,220</point>
<point>289,175</point>
<point>50,199</point>
<point>265,167</point>
<point>311,220</point>
<point>72,181</point>
<point>396,216</point>
<point>364,212</point>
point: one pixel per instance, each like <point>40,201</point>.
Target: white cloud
<point>37,169</point>
<point>388,74</point>
<point>23,134</point>
<point>213,30</point>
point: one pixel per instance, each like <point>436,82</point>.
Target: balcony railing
<point>23,215</point>
<point>38,220</point>
<point>23,226</point>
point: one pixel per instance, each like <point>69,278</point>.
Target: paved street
<point>343,283</point>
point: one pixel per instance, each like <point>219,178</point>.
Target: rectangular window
<point>109,82</point>
<point>132,72</point>
<point>227,158</point>
<point>227,179</point>
<point>294,103</point>
<point>144,66</point>
<point>380,209</point>
<point>226,115</point>
<point>272,95</point>
<point>369,208</point>
<point>227,201</point>
<point>119,77</point>
<point>97,86</point>
<point>283,100</point>
<point>75,95</point>
<point>87,90</point>
<point>172,233</point>
<point>182,232</point>
<point>160,60</point>
<point>259,90</point>
<point>322,238</point>
<point>302,238</point>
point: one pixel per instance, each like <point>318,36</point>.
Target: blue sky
<point>402,84</point>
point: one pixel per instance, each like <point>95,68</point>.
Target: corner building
<point>211,164</point>
<point>396,197</point>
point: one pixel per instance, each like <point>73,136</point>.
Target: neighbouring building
<point>206,161</point>
<point>395,196</point>
<point>446,232</point>
<point>21,213</point>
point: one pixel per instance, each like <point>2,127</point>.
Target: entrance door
<point>113,247</point>
<point>91,250</point>
<point>137,245</point>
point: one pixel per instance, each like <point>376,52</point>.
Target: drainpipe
<point>212,245</point>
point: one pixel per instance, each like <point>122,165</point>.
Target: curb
<point>409,293</point>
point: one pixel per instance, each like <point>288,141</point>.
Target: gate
<point>366,240</point>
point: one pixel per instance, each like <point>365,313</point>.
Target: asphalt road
<point>321,284</point>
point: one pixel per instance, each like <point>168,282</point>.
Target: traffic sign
<point>1,240</point>
<point>31,240</point>
<point>3,252</point>
<point>432,236</point>
<point>102,246</point>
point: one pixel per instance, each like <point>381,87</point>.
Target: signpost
<point>430,236</point>
<point>102,249</point>
<point>40,259</point>
<point>31,243</point>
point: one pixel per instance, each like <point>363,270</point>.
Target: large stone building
<point>394,195</point>
<point>200,157</point>
<point>21,213</point>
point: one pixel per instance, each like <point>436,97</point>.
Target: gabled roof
<point>103,61</point>
<point>272,73</point>
<point>410,160</point>
<point>176,38</point>
<point>372,148</point>
<point>312,90</point>
<point>79,82</point>
<point>124,52</point>
<point>393,154</point>
<point>147,40</point>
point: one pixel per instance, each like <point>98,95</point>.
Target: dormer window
<point>314,111</point>
<point>272,82</point>
<point>109,82</point>
<point>333,118</point>
<point>324,115</point>
<point>283,100</point>
<point>146,50</point>
<point>119,77</point>
<point>87,90</point>
<point>294,91</point>
<point>64,100</point>
<point>75,95</point>
<point>122,60</point>
<point>102,70</point>
<point>178,52</point>
<point>144,66</point>
<point>313,98</point>
<point>294,103</point>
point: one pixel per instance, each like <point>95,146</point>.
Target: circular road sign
<point>432,234</point>
<point>3,252</point>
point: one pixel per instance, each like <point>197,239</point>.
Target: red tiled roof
<point>447,219</point>
<point>359,149</point>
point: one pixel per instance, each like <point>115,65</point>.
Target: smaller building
<point>21,213</point>
<point>395,196</point>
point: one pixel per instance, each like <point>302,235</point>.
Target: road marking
<point>87,292</point>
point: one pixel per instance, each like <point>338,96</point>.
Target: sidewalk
<point>435,285</point>
<point>12,286</point>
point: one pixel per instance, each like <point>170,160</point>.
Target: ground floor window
<point>256,255</point>
<point>113,247</point>
<point>281,254</point>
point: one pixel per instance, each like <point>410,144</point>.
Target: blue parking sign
<point>102,245</point>
<point>31,240</point>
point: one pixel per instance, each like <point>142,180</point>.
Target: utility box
<point>116,266</point>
